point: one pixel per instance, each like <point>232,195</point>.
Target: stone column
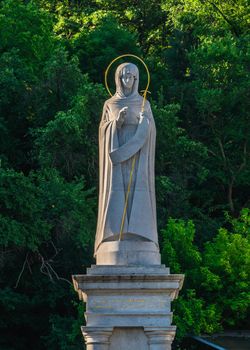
<point>160,339</point>
<point>97,338</point>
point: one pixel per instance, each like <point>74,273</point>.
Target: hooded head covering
<point>119,86</point>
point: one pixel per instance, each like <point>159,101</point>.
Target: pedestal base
<point>128,338</point>
<point>123,253</point>
<point>128,307</point>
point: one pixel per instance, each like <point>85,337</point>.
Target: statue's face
<point>127,78</point>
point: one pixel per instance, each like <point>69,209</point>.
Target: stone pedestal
<point>128,307</point>
<point>128,252</point>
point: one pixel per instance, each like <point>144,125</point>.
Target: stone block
<point>128,305</point>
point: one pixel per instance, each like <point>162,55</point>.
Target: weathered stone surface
<point>129,297</point>
<point>128,253</point>
<point>126,134</point>
<point>128,270</point>
<point>128,338</point>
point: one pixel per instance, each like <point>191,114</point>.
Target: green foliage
<point>27,28</point>
<point>15,81</point>
<point>218,65</point>
<point>209,17</point>
<point>21,221</point>
<point>216,288</point>
<point>65,331</point>
<point>183,159</point>
<point>46,230</point>
<point>27,308</point>
<point>193,315</point>
<point>178,249</point>
<point>211,46</point>
<point>52,59</point>
<point>60,83</point>
<point>227,258</point>
<point>68,142</point>
<point>34,206</point>
<point>97,47</point>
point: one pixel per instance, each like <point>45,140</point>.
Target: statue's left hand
<point>141,117</point>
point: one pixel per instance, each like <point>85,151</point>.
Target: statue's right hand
<point>121,116</point>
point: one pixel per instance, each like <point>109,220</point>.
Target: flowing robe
<point>117,146</point>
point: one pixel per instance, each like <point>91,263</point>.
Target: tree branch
<point>244,163</point>
<point>48,270</point>
<point>232,25</point>
<point>222,151</point>
<point>22,270</point>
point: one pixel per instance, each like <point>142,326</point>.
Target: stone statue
<point>126,132</point>
<point>128,292</point>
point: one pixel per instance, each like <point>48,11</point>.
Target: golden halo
<point>127,55</point>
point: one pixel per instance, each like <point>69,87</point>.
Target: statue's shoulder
<point>106,105</point>
<point>109,100</point>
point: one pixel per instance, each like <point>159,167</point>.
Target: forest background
<point>52,60</point>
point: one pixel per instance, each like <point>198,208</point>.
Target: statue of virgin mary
<point>126,132</point>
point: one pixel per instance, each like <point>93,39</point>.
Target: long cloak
<point>117,146</point>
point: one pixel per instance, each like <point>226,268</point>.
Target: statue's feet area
<point>128,253</point>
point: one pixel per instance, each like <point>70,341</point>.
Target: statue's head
<point>127,79</point>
